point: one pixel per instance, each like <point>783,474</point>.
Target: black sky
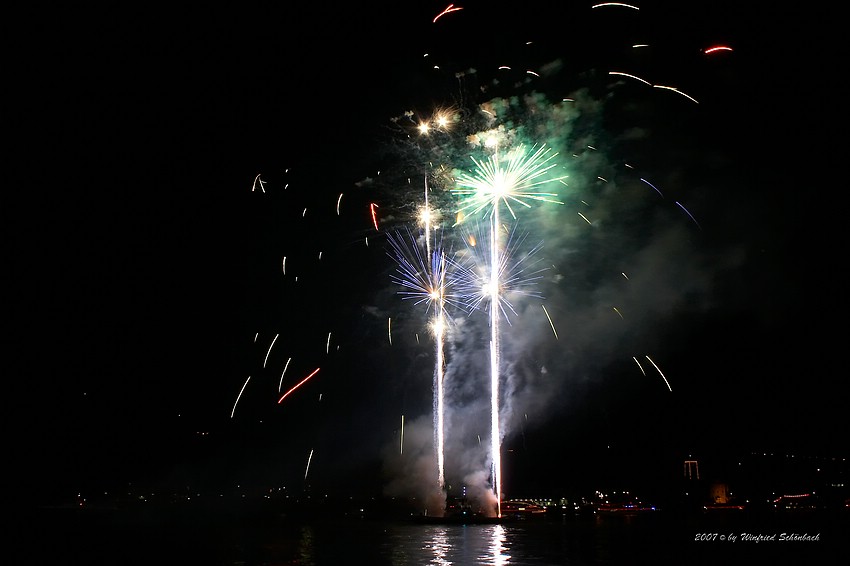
<point>144,277</point>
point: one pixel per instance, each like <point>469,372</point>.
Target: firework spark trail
<point>297,385</point>
<point>550,321</point>
<point>270,349</point>
<point>689,214</point>
<point>620,4</point>
<point>426,220</point>
<point>449,9</point>
<point>670,88</point>
<point>239,396</point>
<point>372,207</point>
<point>717,48</point>
<point>660,373</point>
<point>630,76</point>
<point>309,459</point>
<point>651,185</point>
<point>677,91</point>
<point>280,384</point>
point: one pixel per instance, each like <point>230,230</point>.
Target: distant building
<point>691,470</point>
<point>718,493</point>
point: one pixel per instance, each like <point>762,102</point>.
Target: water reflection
<point>498,549</point>
<point>439,545</point>
<point>306,547</point>
<point>574,541</point>
<point>447,546</point>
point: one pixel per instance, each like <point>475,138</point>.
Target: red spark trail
<point>717,48</point>
<point>373,206</point>
<point>300,383</point>
<point>449,8</point>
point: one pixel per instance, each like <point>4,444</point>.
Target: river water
<point>230,536</point>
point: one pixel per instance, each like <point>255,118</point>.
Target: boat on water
<point>459,511</point>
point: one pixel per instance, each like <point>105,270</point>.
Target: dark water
<point>232,536</point>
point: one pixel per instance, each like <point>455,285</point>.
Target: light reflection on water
<point>498,550</point>
<point>305,546</point>
<point>227,540</point>
<point>587,543</point>
<point>448,545</point>
<point>440,545</point>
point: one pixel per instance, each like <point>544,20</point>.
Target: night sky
<point>146,284</point>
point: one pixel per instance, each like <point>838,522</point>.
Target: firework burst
<point>518,271</point>
<point>510,179</point>
<point>427,279</point>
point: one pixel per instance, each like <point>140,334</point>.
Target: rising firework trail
<point>512,179</point>
<point>427,216</point>
<point>495,436</point>
<point>439,368</point>
<point>427,282</point>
